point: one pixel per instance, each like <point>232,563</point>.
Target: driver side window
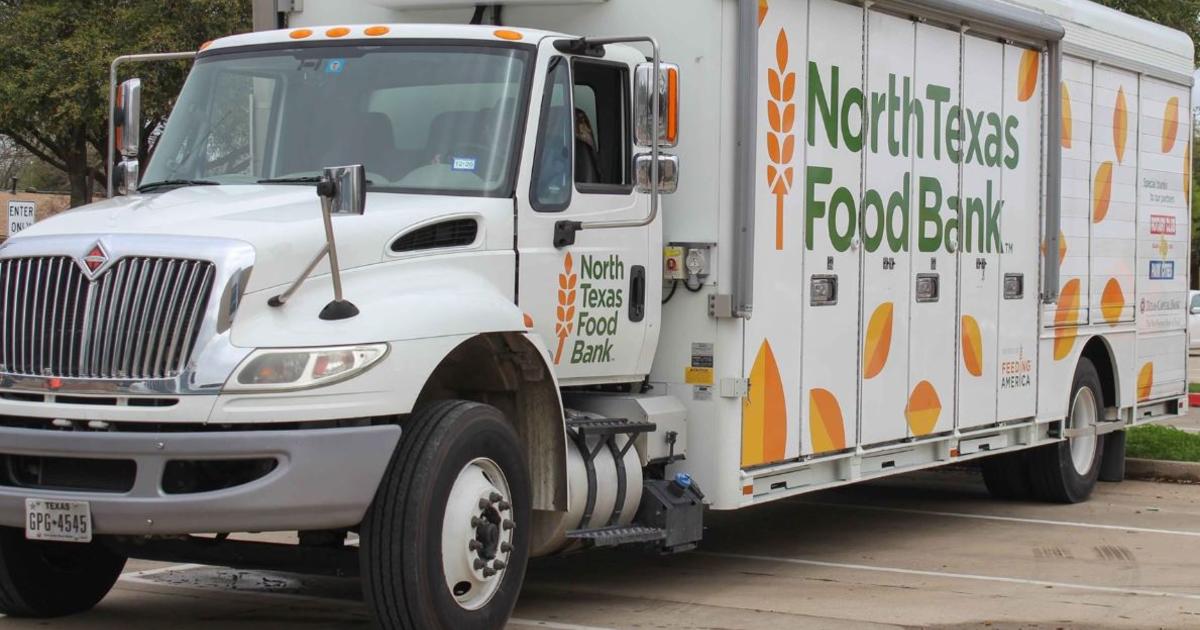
<point>553,160</point>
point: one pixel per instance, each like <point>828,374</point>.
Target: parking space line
<point>950,574</point>
<point>1010,519</point>
<point>149,572</point>
<point>553,625</point>
<point>139,577</point>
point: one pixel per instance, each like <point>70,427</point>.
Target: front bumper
<point>325,478</point>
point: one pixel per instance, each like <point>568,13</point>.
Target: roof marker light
<point>340,31</point>
<point>376,31</point>
<point>206,44</point>
<point>300,33</point>
<point>512,36</point>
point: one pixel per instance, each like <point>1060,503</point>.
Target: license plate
<point>59,521</point>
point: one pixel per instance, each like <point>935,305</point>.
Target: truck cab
<point>428,179</point>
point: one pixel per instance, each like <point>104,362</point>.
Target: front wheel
<point>1066,472</point>
<point>446,540</point>
<point>53,579</point>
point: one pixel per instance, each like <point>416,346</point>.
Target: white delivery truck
<point>401,276</point>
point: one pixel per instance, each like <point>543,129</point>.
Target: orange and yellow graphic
<point>764,412</point>
<point>566,305</point>
<point>923,409</point>
<point>1187,170</point>
<point>762,11</point>
<point>1067,120</point>
<point>1065,319</point>
<point>1145,381</point>
<point>781,142</point>
<point>1112,301</point>
<point>1062,247</point>
<point>972,346</point>
<point>825,421</point>
<point>1102,192</point>
<point>1170,124</point>
<point>1120,125</point>
<point>1027,74</point>
<point>878,340</point>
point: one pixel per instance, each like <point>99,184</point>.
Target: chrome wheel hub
<point>1084,415</point>
<point>477,533</point>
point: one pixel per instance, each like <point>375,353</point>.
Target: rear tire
<point>51,579</point>
<point>1007,476</point>
<point>436,514</point>
<point>1066,472</point>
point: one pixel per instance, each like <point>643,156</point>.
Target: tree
<point>1178,14</point>
<point>13,159</point>
<point>54,64</point>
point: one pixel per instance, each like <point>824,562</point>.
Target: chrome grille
<point>138,320</point>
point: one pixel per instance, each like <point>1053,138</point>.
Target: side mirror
<point>346,188</point>
<point>668,173</point>
<point>128,118</point>
<point>126,176</point>
<point>1196,310</point>
<point>667,86</point>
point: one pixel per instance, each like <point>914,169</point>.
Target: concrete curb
<point>1159,470</point>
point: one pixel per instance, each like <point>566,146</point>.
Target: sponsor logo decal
<point>1162,269</point>
<point>1162,224</point>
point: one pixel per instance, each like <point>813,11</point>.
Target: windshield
<point>426,119</point>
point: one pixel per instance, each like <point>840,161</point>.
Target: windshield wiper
<point>306,179</point>
<point>176,183</point>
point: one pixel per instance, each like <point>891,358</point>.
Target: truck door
<point>589,300</point>
<point>979,250</point>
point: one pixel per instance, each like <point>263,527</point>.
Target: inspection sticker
<point>463,164</point>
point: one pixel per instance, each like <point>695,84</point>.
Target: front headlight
<point>302,368</point>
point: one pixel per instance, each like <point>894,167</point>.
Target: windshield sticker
<point>463,164</point>
<point>335,66</point>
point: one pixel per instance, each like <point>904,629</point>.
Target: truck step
<point>608,426</point>
<point>618,535</point>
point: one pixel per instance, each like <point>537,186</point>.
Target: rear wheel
<point>1066,472</point>
<point>51,579</point>
<point>446,541</point>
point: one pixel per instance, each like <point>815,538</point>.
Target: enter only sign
<point>20,215</point>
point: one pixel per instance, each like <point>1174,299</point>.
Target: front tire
<point>1066,472</point>
<point>446,540</point>
<point>52,579</point>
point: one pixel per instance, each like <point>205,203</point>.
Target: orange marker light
<point>340,31</point>
<point>672,106</point>
<point>511,36</point>
<point>748,490</point>
<point>206,44</point>
<point>376,31</point>
<point>528,320</point>
<point>300,33</point>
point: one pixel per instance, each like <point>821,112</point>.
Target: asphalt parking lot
<point>929,549</point>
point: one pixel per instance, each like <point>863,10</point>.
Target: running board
<point>618,535</point>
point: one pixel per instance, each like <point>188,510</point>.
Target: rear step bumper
<point>323,478</point>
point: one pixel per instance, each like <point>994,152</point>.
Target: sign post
<point>21,215</point>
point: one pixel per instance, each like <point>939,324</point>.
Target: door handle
<point>637,293</point>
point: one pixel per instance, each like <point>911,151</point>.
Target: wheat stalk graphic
<point>781,142</point>
<point>566,305</point>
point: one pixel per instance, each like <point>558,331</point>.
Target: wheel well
<point>1098,352</point>
<point>507,371</point>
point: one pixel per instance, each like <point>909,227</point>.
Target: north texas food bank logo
<point>589,307</point>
